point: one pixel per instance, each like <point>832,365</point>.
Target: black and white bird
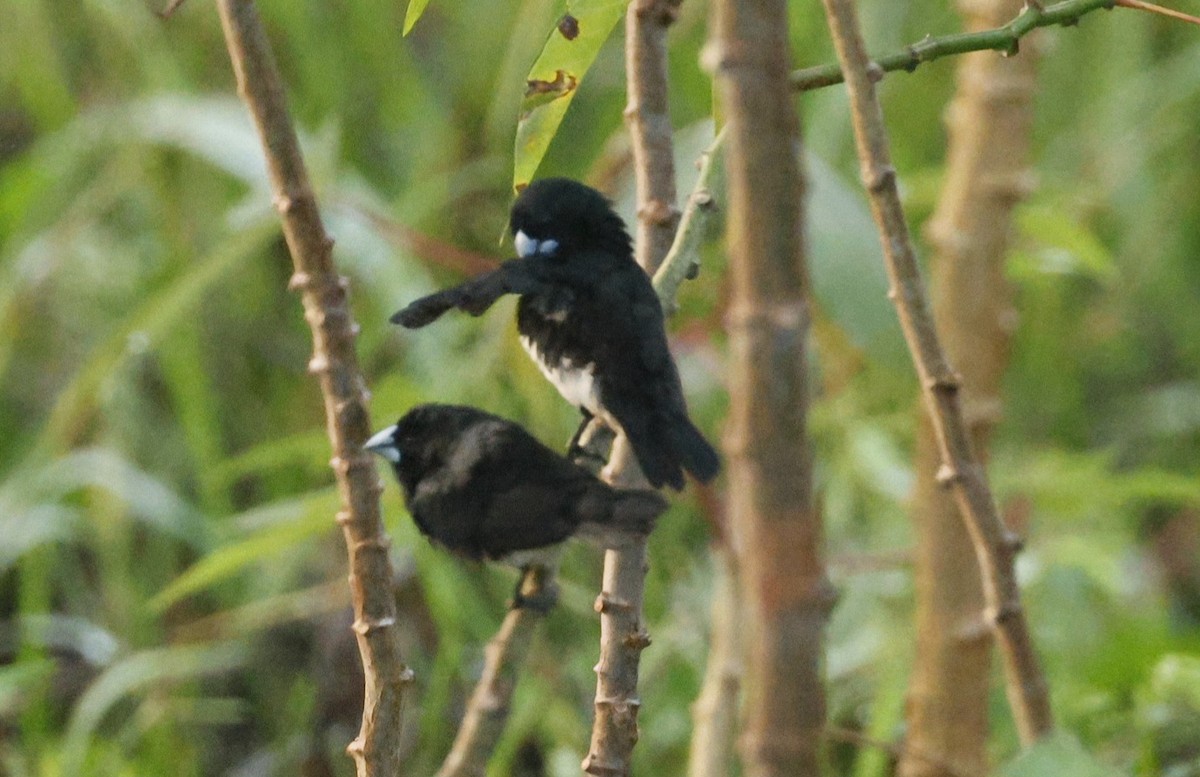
<point>484,488</point>
<point>592,322</point>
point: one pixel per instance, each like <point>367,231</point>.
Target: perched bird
<point>483,487</point>
<point>590,319</point>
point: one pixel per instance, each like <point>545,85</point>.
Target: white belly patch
<point>577,384</point>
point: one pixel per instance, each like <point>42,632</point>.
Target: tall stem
<point>323,291</point>
<point>775,524</point>
<point>960,470</point>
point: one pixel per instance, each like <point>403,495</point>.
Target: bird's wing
<point>638,382</point>
<point>526,495</point>
<point>516,276</point>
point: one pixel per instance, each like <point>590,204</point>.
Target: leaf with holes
<point>554,78</point>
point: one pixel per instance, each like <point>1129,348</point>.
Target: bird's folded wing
<point>516,276</point>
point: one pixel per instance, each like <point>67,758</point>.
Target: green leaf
<point>555,77</point>
<point>311,515</point>
<point>1058,755</point>
<point>149,669</point>
<point>415,9</point>
<point>847,263</point>
<point>1062,245</point>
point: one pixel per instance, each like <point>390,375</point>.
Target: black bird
<point>590,319</point>
<point>483,487</point>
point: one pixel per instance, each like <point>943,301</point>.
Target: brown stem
<point>989,124</point>
<point>376,750</point>
<point>773,516</point>
<point>714,713</point>
<point>622,634</point>
<point>623,637</point>
<point>648,116</point>
<point>995,547</point>
<point>488,708</point>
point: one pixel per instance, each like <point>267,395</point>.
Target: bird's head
<point>556,217</point>
<point>421,440</point>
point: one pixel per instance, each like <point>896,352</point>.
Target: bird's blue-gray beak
<point>384,444</point>
<point>527,246</point>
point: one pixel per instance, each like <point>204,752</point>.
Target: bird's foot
<point>535,590</point>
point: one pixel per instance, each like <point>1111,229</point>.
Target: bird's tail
<point>627,515</point>
<point>635,511</point>
<point>697,456</point>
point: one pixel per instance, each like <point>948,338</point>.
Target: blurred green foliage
<point>172,595</point>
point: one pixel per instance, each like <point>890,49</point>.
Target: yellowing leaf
<point>570,49</point>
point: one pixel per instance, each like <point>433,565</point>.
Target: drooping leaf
<point>147,669</point>
<point>554,78</point>
<point>415,9</point>
<point>308,516</point>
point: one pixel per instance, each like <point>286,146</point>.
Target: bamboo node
<point>376,543</point>
<point>948,475</point>
<point>318,363</point>
<point>365,626</point>
<point>344,518</point>
<point>284,204</point>
<point>594,766</point>
<point>1006,612</point>
<point>606,603</point>
<point>638,640</point>
<point>880,179</point>
<point>300,280</point>
<point>658,212</point>
<point>663,12</point>
<point>945,380</point>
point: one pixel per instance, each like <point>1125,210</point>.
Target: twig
<point>772,509</point>
<point>988,126</point>
<point>488,708</point>
<point>994,545</point>
<point>682,262</point>
<point>376,750</point>
<point>648,116</point>
<point>622,634</point>
<point>1139,5</point>
<point>1004,39</point>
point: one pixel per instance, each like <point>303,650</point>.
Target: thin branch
<point>488,708</point>
<point>994,545</point>
<point>648,116</point>
<point>622,633</point>
<point>377,748</point>
<point>988,127</point>
<point>1004,39</point>
<point>682,262</point>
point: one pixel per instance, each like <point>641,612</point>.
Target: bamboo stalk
<point>960,471</point>
<point>376,749</point>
